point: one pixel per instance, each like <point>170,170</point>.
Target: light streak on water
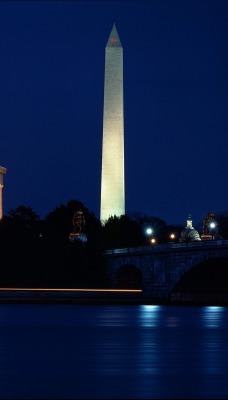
<point>72,290</point>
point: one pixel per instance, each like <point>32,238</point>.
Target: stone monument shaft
<point>112,176</point>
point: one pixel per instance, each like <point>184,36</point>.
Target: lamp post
<point>172,236</point>
<point>212,226</point>
<point>149,232</point>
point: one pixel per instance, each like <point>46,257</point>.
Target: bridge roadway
<point>156,269</point>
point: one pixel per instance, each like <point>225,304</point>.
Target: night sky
<point>52,57</point>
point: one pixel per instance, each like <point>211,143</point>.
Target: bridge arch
<point>128,276</point>
<point>207,276</point>
<point>159,269</point>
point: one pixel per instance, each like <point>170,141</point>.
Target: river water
<point>110,352</point>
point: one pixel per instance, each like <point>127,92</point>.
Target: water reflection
<point>214,347</point>
<point>213,316</point>
<point>113,352</point>
<point>149,315</point>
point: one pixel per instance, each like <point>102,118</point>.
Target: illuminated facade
<point>112,175</point>
<point>189,234</point>
<point>210,227</point>
<point>79,227</point>
<point>2,172</point>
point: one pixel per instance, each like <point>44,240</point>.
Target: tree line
<point>37,252</point>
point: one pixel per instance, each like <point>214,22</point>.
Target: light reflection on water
<point>149,315</point>
<point>213,316</point>
<point>109,352</point>
<point>213,353</point>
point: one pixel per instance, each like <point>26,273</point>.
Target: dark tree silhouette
<point>38,253</point>
<point>223,224</point>
<point>122,232</point>
<point>158,226</point>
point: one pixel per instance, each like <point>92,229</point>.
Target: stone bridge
<point>158,268</point>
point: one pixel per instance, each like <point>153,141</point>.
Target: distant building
<point>210,227</point>
<point>2,172</point>
<point>79,227</point>
<point>189,234</point>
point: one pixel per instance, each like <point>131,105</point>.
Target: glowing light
<point>71,290</point>
<point>172,236</point>
<point>149,307</point>
<point>149,231</point>
<point>153,240</point>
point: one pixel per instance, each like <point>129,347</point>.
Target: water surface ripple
<point>113,352</point>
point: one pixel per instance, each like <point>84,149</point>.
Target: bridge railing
<point>203,243</point>
<point>168,246</point>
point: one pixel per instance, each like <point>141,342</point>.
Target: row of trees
<point>37,252</point>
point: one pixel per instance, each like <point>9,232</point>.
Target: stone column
<point>112,178</point>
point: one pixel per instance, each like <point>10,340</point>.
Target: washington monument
<point>112,175</point>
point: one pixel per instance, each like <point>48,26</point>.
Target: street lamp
<point>149,231</point>
<point>172,236</point>
<point>212,226</point>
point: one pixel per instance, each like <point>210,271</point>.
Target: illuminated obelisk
<point>2,172</point>
<point>112,175</point>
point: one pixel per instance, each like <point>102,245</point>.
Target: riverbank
<point>70,296</point>
<point>105,296</point>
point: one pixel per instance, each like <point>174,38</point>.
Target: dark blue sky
<point>175,95</point>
